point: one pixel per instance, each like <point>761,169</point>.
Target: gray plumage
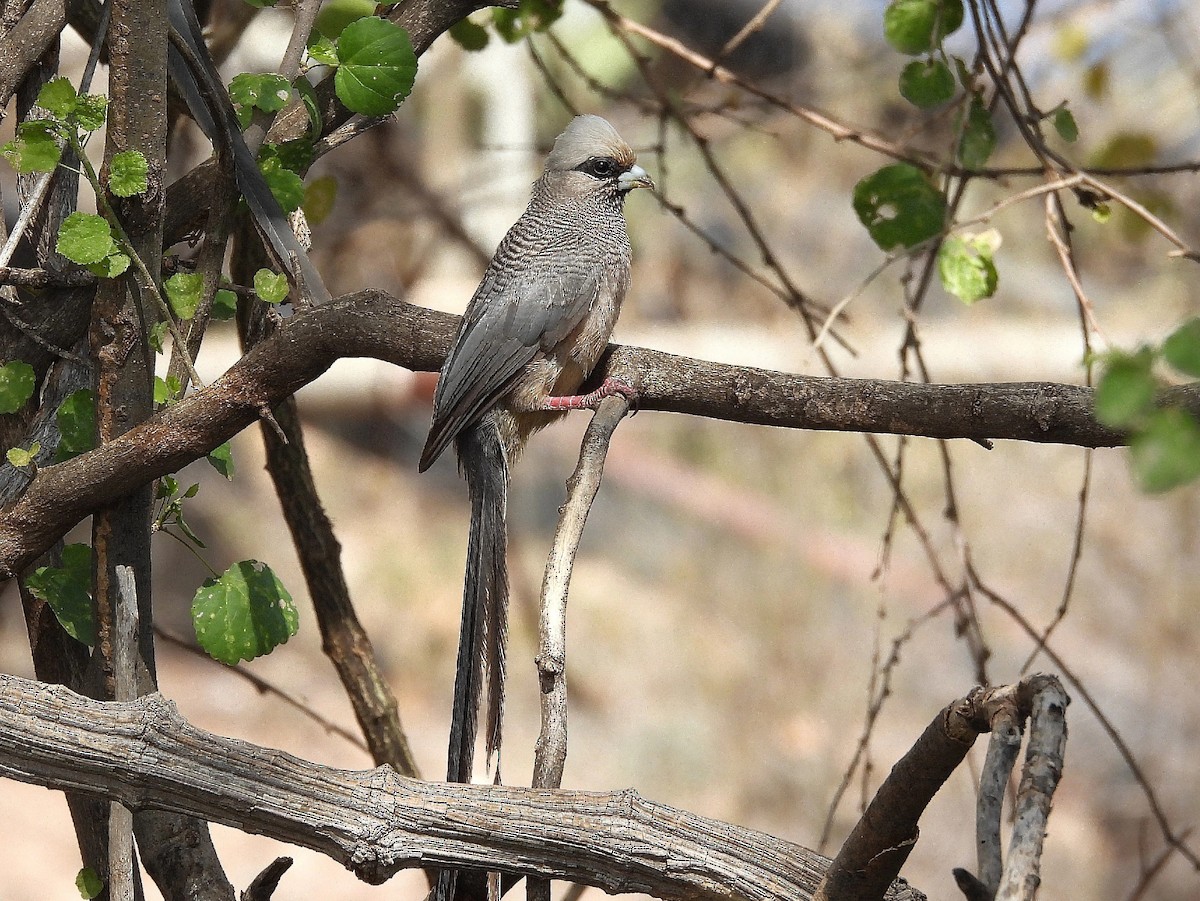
<point>535,328</point>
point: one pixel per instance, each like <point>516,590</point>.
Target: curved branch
<point>143,754</point>
<point>375,324</point>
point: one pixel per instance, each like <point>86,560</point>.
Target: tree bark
<point>143,754</point>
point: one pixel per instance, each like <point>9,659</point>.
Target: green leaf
<point>1125,394</point>
<point>270,287</point>
<point>966,268</point>
<point>76,424</point>
<point>323,50</point>
<point>35,148</point>
<point>243,614</point>
<point>260,90</point>
<point>89,884</point>
<point>1126,150</point>
<point>184,291</point>
<point>167,390</point>
<point>111,266</point>
<point>20,457</point>
<point>90,111</point>
<point>531,16</point>
<point>296,155</point>
<point>85,238</point>
<point>377,68</point>
<point>312,106</point>
<point>978,138</point>
<point>221,459</point>
<point>158,335</point>
<point>469,35</point>
<point>926,83</point>
<point>16,385</point>
<point>1064,124</point>
<point>918,26</point>
<point>1166,453</point>
<point>127,173</point>
<point>335,15</point>
<point>1182,348</point>
<point>899,206</point>
<point>319,197</point>
<point>286,185</point>
<point>224,305</point>
<point>58,97</point>
<point>68,591</point>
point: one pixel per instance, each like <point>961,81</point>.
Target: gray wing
<point>519,309</point>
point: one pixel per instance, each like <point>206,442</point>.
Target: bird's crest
<point>587,137</point>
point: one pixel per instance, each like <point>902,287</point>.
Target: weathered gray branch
<point>374,324</point>
<point>143,754</point>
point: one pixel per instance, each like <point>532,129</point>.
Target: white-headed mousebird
<point>532,333</point>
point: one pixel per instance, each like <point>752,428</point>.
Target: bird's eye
<point>600,167</point>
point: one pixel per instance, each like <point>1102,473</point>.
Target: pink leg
<point>590,401</point>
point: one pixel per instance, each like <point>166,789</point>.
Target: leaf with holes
<point>378,66</point>
<point>899,206</point>
<point>966,267</point>
<point>243,614</point>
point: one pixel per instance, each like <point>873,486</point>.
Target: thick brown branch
<point>143,754</point>
<point>374,324</point>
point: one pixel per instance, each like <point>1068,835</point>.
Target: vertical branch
<point>177,851</point>
<point>343,639</point>
<point>1039,778</point>
<point>550,754</point>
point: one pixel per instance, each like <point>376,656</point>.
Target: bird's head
<point>590,157</point>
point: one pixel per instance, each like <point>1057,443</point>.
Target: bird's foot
<point>609,388</point>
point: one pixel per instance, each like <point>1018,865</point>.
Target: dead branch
<point>145,755</point>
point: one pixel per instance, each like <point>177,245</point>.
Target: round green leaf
<point>58,97</point>
<point>35,148</point>
<point>1182,348</point>
<point>91,111</point>
<point>243,614</point>
<point>184,290</point>
<point>899,206</point>
<point>966,269</point>
<point>76,424</point>
<point>926,83</point>
<point>68,591</point>
<point>16,385</point>
<point>1064,124</point>
<point>1126,391</point>
<point>286,185</point>
<point>918,26</point>
<point>468,35</point>
<point>335,15</point>
<point>377,68</point>
<point>270,287</point>
<point>1166,453</point>
<point>85,238</point>
<point>220,458</point>
<point>262,90</point>
<point>127,174</point>
<point>978,138</point>
<point>89,883</point>
<point>319,197</point>
<point>224,305</point>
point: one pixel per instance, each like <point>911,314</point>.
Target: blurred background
<point>743,595</point>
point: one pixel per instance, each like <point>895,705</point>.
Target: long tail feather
<point>484,629</point>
